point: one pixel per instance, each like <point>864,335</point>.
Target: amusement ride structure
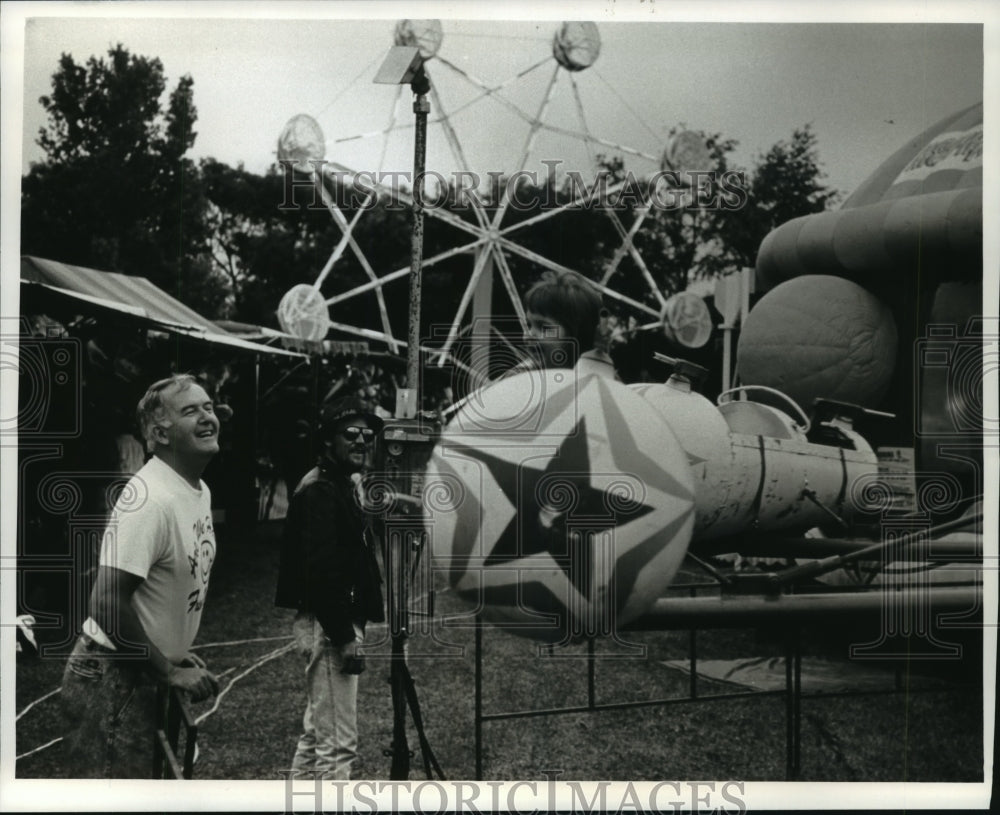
<point>561,505</point>
<point>488,237</point>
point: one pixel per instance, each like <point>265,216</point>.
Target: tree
<point>116,191</point>
<point>786,183</point>
<point>251,244</point>
<point>264,245</point>
<point>720,231</point>
<point>678,241</point>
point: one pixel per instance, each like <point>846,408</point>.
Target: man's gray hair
<point>148,413</point>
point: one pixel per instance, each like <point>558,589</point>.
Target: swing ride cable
<point>491,236</point>
<point>392,125</point>
<point>349,85</point>
<point>624,102</point>
<point>346,229</point>
<point>402,272</point>
<point>536,124</point>
<point>498,218</point>
<point>627,238</point>
<point>457,152</point>
<point>492,90</point>
<point>528,254</point>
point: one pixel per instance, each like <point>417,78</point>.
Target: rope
<point>38,749</point>
<point>54,691</point>
<point>218,699</point>
<point>30,705</point>
<point>238,642</point>
<point>200,719</point>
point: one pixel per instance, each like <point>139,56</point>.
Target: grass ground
<point>916,736</point>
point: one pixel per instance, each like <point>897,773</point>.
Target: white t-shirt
<point>161,530</point>
<point>596,362</point>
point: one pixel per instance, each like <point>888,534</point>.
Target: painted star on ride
<point>583,523</point>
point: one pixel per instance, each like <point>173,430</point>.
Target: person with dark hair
<point>329,574</point>
<point>146,604</point>
<point>564,313</point>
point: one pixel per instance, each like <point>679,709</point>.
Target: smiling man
<point>146,604</point>
<point>330,575</point>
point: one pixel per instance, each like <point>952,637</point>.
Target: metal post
<point>399,769</point>
<point>398,541</point>
<point>793,704</point>
<point>789,712</point>
<point>693,655</point>
<point>591,678</point>
<point>173,727</point>
<point>396,561</point>
<point>482,311</point>
<point>479,698</point>
<point>421,107</point>
<point>797,700</point>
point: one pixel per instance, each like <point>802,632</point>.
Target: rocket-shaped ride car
<point>561,505</point>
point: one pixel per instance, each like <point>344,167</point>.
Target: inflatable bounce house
<point>879,304</point>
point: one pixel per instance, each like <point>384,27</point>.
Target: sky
<point>864,88</point>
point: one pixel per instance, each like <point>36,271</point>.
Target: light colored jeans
<point>109,710</point>
<point>329,744</point>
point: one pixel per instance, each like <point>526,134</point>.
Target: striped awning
<point>920,213</point>
<point>128,298</point>
<point>120,288</point>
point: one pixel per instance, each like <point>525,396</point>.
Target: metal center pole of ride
<point>399,541</point>
<point>421,107</point>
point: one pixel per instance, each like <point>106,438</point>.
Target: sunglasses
<point>352,433</point>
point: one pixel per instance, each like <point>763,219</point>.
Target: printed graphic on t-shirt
<point>200,559</point>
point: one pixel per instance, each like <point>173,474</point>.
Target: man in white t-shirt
<point>147,601</point>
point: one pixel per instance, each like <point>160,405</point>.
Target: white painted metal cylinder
<point>753,467</point>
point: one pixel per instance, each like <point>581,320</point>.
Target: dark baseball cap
<point>334,412</point>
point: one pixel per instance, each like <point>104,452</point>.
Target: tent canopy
<point>133,298</point>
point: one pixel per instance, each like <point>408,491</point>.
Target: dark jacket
<point>328,564</point>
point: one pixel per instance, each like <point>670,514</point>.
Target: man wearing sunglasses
<point>329,574</point>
